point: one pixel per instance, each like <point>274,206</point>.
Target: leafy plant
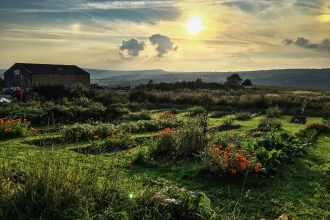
<point>196,110</point>
<point>273,112</point>
<point>179,202</point>
<point>224,160</point>
<point>228,120</point>
<point>269,123</point>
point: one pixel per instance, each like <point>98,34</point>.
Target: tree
<point>247,82</point>
<point>233,79</point>
<point>2,82</point>
<point>198,80</point>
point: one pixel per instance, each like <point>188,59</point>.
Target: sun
<point>194,25</point>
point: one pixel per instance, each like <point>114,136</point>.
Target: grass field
<point>56,182</point>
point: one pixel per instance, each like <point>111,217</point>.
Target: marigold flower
<point>238,151</point>
<point>256,169</point>
<point>248,155</point>
<point>259,165</point>
<point>225,165</point>
<point>211,163</point>
<point>217,150</point>
<point>243,165</point>
<point>112,136</point>
<point>248,162</point>
<point>96,137</point>
<point>233,171</point>
<point>129,163</point>
<point>226,154</point>
<point>7,130</point>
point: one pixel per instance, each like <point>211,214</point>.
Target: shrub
<point>269,123</point>
<point>221,160</point>
<point>273,112</point>
<point>196,110</point>
<point>12,128</point>
<point>243,115</point>
<point>185,141</point>
<point>228,120</point>
<point>167,115</point>
<point>179,203</point>
<point>320,127</point>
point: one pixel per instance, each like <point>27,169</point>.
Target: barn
<point>27,74</point>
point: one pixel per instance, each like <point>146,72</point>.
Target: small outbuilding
<point>27,74</point>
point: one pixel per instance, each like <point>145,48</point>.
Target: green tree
<point>247,82</point>
<point>233,79</point>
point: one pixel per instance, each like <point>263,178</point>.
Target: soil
<point>228,127</point>
<point>298,120</point>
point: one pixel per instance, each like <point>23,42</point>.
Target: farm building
<point>26,74</point>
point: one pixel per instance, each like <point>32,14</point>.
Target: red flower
<point>96,137</point>
<point>233,171</point>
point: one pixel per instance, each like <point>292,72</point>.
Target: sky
<point>233,35</point>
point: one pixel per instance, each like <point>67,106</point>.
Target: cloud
<point>287,41</point>
<point>303,42</point>
<point>164,44</point>
<point>131,48</point>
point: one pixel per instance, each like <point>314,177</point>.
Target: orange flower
<point>248,155</point>
<point>112,136</point>
<point>248,162</point>
<point>129,163</point>
<point>238,151</point>
<point>259,165</point>
<point>225,165</point>
<point>226,154</point>
<point>96,137</point>
<point>233,171</point>
<point>217,150</point>
<point>256,169</point>
<point>243,165</point>
<point>7,130</point>
<point>211,163</point>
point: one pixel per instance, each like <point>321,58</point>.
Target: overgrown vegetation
<point>118,159</point>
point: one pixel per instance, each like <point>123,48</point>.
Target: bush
<point>269,123</point>
<point>243,115</point>
<point>273,112</point>
<point>173,144</point>
<point>196,110</point>
<point>320,127</point>
<point>221,160</point>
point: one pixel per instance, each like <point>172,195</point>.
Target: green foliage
<point>247,82</point>
<point>227,160</point>
<point>269,124</point>
<point>142,115</point>
<point>243,115</point>
<point>177,144</point>
<point>320,127</point>
<point>273,112</point>
<point>57,186</point>
<point>233,79</point>
<point>13,128</point>
<point>196,110</point>
<point>179,203</point>
<point>228,120</point>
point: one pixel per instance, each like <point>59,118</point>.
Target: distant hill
<point>297,78</point>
